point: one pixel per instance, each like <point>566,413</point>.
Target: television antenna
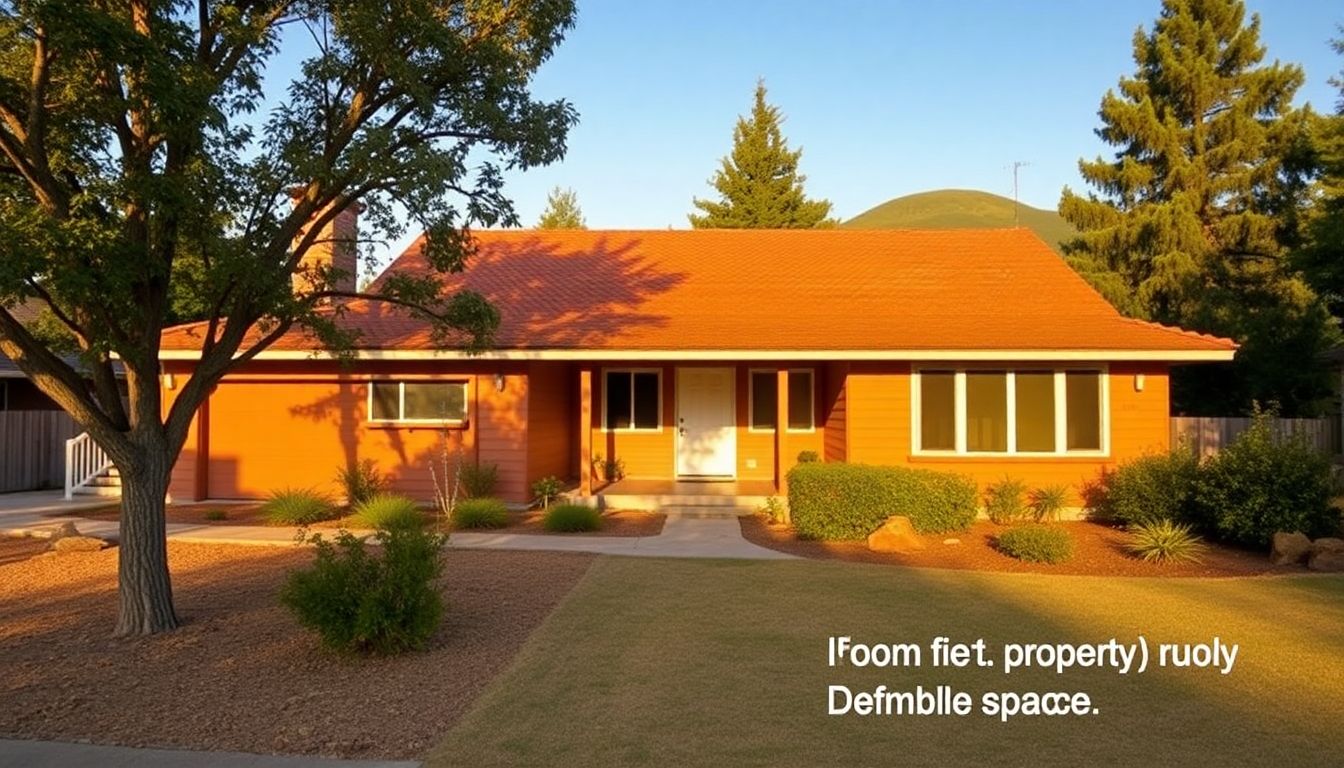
<point>1017,164</point>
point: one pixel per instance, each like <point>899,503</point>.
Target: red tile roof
<point>815,290</point>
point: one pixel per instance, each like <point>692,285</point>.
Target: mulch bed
<point>621,523</point>
<point>1098,550</point>
<point>242,674</point>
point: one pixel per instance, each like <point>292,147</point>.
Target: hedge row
<point>836,501</point>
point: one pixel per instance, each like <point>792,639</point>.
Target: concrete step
<point>106,481</point>
<point>741,505</point>
<point>99,490</point>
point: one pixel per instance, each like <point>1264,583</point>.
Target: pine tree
<point>1322,255</point>
<point>1191,220</point>
<point>562,211</point>
<point>759,184</point>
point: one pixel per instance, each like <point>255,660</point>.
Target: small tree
<point>562,211</point>
<point>759,184</point>
<point>134,175</point>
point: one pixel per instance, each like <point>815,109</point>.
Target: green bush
<point>480,513</point>
<point>547,489</point>
<point>362,602</point>
<point>479,480</point>
<point>1047,503</point>
<point>1258,485</point>
<point>388,510</point>
<point>216,514</point>
<point>298,506</point>
<point>1036,544</point>
<point>1003,501</point>
<point>841,501</point>
<point>1162,541</point>
<point>361,481</point>
<point>1148,489</point>
<point>807,457</point>
<point>572,518</point>
<point>773,509</point>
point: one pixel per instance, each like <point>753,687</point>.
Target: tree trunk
<point>145,591</point>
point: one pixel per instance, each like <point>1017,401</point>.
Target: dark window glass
<point>800,399</point>
<point>386,404</point>
<point>937,411</point>
<point>764,399</point>
<point>618,399</point>
<point>646,400</point>
<point>435,401</point>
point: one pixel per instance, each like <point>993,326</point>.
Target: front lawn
<point>656,662</point>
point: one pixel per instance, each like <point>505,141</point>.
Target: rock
<point>1289,548</point>
<point>951,541</point>
<point>1328,560</point>
<point>1329,544</point>
<point>79,544</point>
<point>63,531</point>
<point>895,535</point>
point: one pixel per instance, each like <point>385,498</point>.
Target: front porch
<point>735,496</point>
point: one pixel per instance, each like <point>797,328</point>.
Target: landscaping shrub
<point>298,507</point>
<point>1148,489</point>
<point>479,480</point>
<point>361,481</point>
<point>773,509</point>
<point>1163,541</point>
<point>841,501</point>
<point>807,457</point>
<point>480,513</point>
<point>216,514</point>
<point>572,518</point>
<point>1003,501</point>
<point>1036,544</point>
<point>362,602</point>
<point>1048,502</point>
<point>387,510</point>
<point>547,489</point>
<point>1258,485</point>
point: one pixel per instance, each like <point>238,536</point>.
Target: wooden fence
<point>1207,434</point>
<point>32,449</point>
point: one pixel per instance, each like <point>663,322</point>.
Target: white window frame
<point>401,401</point>
<point>811,402</point>
<point>632,372</point>
<point>1061,410</point>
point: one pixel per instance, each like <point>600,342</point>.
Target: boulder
<point>895,535</point>
<point>1327,560</point>
<point>1289,548</point>
<point>1328,544</point>
<point>78,544</point>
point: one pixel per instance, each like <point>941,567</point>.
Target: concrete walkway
<point>56,754</point>
<point>688,532</point>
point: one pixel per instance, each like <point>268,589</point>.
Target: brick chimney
<point>335,246</point>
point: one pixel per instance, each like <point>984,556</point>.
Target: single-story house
<point>709,359</point>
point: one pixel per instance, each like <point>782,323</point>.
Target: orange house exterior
<point>679,355</point>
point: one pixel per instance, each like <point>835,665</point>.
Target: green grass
<point>572,518</point>
<point>659,662</point>
<point>961,209</point>
<point>388,510</point>
<point>298,506</point>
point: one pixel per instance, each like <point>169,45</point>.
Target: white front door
<point>706,423</point>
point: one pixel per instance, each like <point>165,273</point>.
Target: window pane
<point>646,401</point>
<point>386,401</point>
<point>986,411</point>
<point>436,401</point>
<point>800,399</point>
<point>937,411</point>
<point>617,387</point>
<point>1035,410</point>
<point>1083,405</point>
<point>764,399</point>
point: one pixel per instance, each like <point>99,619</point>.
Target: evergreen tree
<point>1193,218</point>
<point>562,211</point>
<point>759,184</point>
<point>1322,255</point>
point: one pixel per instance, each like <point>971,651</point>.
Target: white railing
<point>84,460</point>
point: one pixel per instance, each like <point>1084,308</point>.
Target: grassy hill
<point>961,209</point>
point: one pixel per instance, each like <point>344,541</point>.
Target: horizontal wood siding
<point>552,421</point>
<point>32,449</point>
<point>834,410</point>
<point>502,431</point>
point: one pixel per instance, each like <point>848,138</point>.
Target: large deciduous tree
<point>562,211</point>
<point>758,183</point>
<point>1193,218</point>
<point>138,171</point>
